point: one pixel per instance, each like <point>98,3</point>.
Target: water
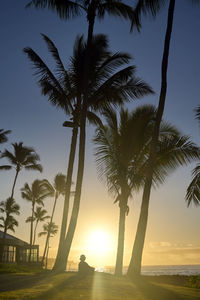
<point>162,270</point>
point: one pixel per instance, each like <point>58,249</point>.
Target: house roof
<point>12,240</point>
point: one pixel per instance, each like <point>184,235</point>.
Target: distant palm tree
<point>35,194</point>
<point>22,158</point>
<point>50,229</point>
<point>122,155</point>
<point>40,216</point>
<point>3,135</point>
<point>58,188</point>
<point>193,190</point>
<point>8,208</point>
<point>106,86</point>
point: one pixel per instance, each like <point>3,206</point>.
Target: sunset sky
<point>173,229</point>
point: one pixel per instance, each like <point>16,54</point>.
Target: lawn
<point>101,286</point>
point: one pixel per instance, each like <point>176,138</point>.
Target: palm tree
<point>40,216</point>
<point>8,207</point>
<point>122,156</point>
<point>105,85</point>
<point>35,194</point>
<point>92,9</point>
<point>3,135</point>
<point>152,6</point>
<point>22,158</point>
<point>58,188</point>
<point>193,190</point>
<point>50,229</point>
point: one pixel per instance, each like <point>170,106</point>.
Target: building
<point>17,251</point>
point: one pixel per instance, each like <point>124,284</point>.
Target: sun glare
<point>99,242</point>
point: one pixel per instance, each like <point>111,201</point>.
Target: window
<point>25,252</point>
<point>9,254</point>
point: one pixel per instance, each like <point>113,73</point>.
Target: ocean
<point>161,270</point>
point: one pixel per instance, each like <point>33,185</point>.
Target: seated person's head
<point>82,257</point>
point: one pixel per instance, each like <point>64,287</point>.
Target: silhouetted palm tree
<point>105,86</point>
<point>123,152</point>
<point>39,216</point>
<point>193,190</point>
<point>152,6</point>
<point>8,208</point>
<point>58,188</point>
<point>50,229</point>
<point>35,194</point>
<point>22,158</point>
<point>3,135</point>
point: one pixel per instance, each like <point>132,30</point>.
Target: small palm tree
<point>50,229</point>
<point>58,188</point>
<point>22,158</point>
<point>3,135</point>
<point>8,208</point>
<point>39,216</point>
<point>122,156</point>
<point>34,194</point>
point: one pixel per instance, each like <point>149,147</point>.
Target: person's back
<point>83,267</point>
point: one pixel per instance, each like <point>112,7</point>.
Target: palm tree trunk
<point>14,183</point>
<point>120,246</point>
<point>31,231</point>
<point>136,258</point>
<point>34,236</point>
<point>3,240</point>
<point>48,234</point>
<point>67,194</point>
<point>62,261</point>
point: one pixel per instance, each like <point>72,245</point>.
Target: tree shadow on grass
<point>152,291</point>
<point>73,283</point>
<point>12,282</point>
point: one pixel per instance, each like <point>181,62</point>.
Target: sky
<point>173,229</point>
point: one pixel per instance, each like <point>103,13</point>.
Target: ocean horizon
<point>161,270</point>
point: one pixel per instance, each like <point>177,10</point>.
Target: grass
<point>14,268</point>
<point>101,286</point>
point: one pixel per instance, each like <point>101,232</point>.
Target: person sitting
<point>83,267</point>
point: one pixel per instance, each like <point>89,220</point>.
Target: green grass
<point>101,286</point>
<point>14,268</point>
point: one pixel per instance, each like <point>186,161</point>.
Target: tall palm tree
<point>58,188</point>
<point>8,208</point>
<point>193,190</point>
<point>122,156</point>
<point>105,85</point>
<point>3,135</point>
<point>142,7</point>
<point>92,9</point>
<point>50,229</point>
<point>22,158</point>
<point>34,194</point>
<point>39,216</point>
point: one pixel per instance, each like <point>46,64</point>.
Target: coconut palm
<point>50,229</point>
<point>34,194</point>
<point>3,135</point>
<point>193,190</point>
<point>8,208</point>
<point>105,86</point>
<point>58,188</point>
<point>22,158</point>
<point>122,156</point>
<point>39,216</point>
<point>142,7</point>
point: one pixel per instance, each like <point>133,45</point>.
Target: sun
<point>99,242</point>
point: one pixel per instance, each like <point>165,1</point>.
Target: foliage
<point>9,207</point>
